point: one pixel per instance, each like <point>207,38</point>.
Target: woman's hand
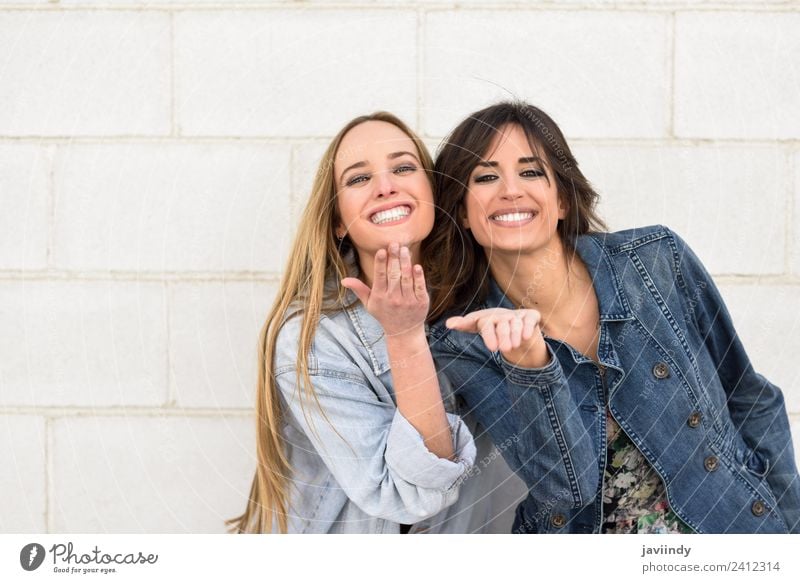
<point>515,333</point>
<point>398,298</point>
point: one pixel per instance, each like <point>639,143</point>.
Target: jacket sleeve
<point>531,417</point>
<point>375,455</point>
<point>756,406</point>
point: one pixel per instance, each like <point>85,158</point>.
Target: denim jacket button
<point>711,463</point>
<point>661,370</point>
<point>694,419</point>
<point>758,508</point>
<point>558,520</point>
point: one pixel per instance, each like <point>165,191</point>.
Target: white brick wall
<point>683,185</point>
<point>155,154</point>
<point>601,74</point>
<point>149,473</point>
<point>214,329</point>
<point>752,60</point>
<point>291,73</point>
<point>85,73</point>
<point>24,171</point>
<point>171,207</point>
<point>23,505</point>
<point>79,343</point>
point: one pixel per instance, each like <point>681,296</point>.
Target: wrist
<point>536,356</point>
<point>412,339</point>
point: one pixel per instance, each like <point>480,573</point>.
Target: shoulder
<point>656,251</point>
<point>619,242</point>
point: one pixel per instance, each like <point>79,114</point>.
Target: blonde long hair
<point>316,255</point>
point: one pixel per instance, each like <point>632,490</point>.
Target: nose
<point>384,184</point>
<point>510,190</point>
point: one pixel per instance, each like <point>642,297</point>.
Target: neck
<point>366,261</point>
<point>541,280</point>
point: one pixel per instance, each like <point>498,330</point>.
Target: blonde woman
<point>352,432</point>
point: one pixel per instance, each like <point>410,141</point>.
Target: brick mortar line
<point>323,141</point>
<point>145,277</point>
<point>294,213</point>
<point>789,215</point>
<point>420,66</point>
<point>52,413</point>
<point>49,487</point>
<point>386,7</point>
<point>172,390</point>
<point>50,225</point>
<point>671,75</point>
<point>172,68</point>
<point>179,278</point>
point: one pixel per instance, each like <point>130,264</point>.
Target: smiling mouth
<point>390,215</point>
<point>516,217</point>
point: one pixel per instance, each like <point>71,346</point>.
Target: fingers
<point>529,322</point>
<point>406,276</point>
<point>379,283</point>
<point>516,326</point>
<point>503,332</point>
<point>489,334</point>
<point>420,289</point>
<point>463,323</point>
<point>394,272</point>
<point>359,288</point>
<point>501,329</point>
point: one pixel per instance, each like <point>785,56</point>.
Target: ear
<point>462,216</point>
<point>340,231</point>
<point>563,208</point>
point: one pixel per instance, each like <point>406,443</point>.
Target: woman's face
<point>383,193</point>
<point>512,204</point>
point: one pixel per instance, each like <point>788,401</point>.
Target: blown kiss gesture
<point>515,333</point>
<point>398,298</point>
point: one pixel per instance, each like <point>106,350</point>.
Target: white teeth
<point>392,214</point>
<point>510,217</point>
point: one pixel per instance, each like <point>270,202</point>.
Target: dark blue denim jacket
<point>675,377</point>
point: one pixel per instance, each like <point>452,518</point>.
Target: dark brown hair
<point>455,264</point>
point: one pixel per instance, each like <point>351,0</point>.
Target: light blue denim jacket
<point>674,375</point>
<point>360,467</point>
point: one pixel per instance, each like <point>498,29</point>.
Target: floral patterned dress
<point>634,497</point>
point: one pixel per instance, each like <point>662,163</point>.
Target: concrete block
<point>172,207</point>
<point>733,75</point>
<point>83,344</point>
<point>151,474</point>
<point>23,479</point>
<point>24,184</point>
<point>292,73</point>
<point>214,331</point>
<point>79,73</point>
<point>598,74</point>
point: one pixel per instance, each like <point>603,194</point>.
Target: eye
<point>353,180</point>
<point>480,178</point>
<point>532,173</point>
<point>405,169</point>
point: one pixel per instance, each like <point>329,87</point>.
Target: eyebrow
<point>391,156</point>
<point>527,160</point>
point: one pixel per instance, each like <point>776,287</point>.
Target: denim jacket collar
<point>369,331</point>
<point>613,303</point>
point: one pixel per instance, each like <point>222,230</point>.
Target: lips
<point>390,215</point>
